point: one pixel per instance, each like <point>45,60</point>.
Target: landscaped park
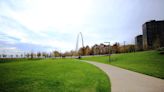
<point>73,75</point>
<point>81,46</point>
<point>146,62</point>
<point>51,75</point>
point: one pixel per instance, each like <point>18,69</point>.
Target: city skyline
<point>46,25</point>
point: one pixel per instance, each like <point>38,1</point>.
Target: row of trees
<point>102,49</point>
<point>96,49</point>
<point>32,55</point>
<point>11,56</point>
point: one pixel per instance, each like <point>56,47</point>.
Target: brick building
<point>153,34</point>
<point>138,43</point>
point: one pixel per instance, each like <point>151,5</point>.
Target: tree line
<point>102,49</point>
<point>97,49</point>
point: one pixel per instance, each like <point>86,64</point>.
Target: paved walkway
<point>128,81</point>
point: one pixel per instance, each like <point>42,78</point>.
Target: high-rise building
<point>153,34</point>
<point>138,43</point>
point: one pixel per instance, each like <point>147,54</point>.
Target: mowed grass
<point>147,62</point>
<point>52,75</point>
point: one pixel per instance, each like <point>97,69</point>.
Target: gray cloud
<point>105,20</point>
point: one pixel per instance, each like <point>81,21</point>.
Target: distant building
<point>100,49</point>
<point>138,43</point>
<point>153,34</point>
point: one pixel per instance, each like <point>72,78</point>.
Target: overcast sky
<point>46,25</point>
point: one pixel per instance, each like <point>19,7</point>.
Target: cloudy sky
<point>46,25</point>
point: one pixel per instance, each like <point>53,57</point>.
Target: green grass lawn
<point>52,75</point>
<point>147,62</point>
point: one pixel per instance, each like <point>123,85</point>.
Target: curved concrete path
<point>128,81</point>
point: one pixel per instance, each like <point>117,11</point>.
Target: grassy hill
<point>52,75</point>
<point>147,62</point>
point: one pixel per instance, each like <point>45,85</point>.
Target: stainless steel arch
<point>77,41</point>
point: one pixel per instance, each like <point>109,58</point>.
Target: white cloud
<point>62,16</point>
<point>56,23</point>
<point>42,14</point>
<point>10,51</point>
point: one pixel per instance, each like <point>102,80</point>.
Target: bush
<point>160,49</point>
<point>161,52</point>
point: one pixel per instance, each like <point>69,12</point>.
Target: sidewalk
<point>128,81</point>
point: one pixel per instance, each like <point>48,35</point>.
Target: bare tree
<point>38,54</point>
<point>56,54</point>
